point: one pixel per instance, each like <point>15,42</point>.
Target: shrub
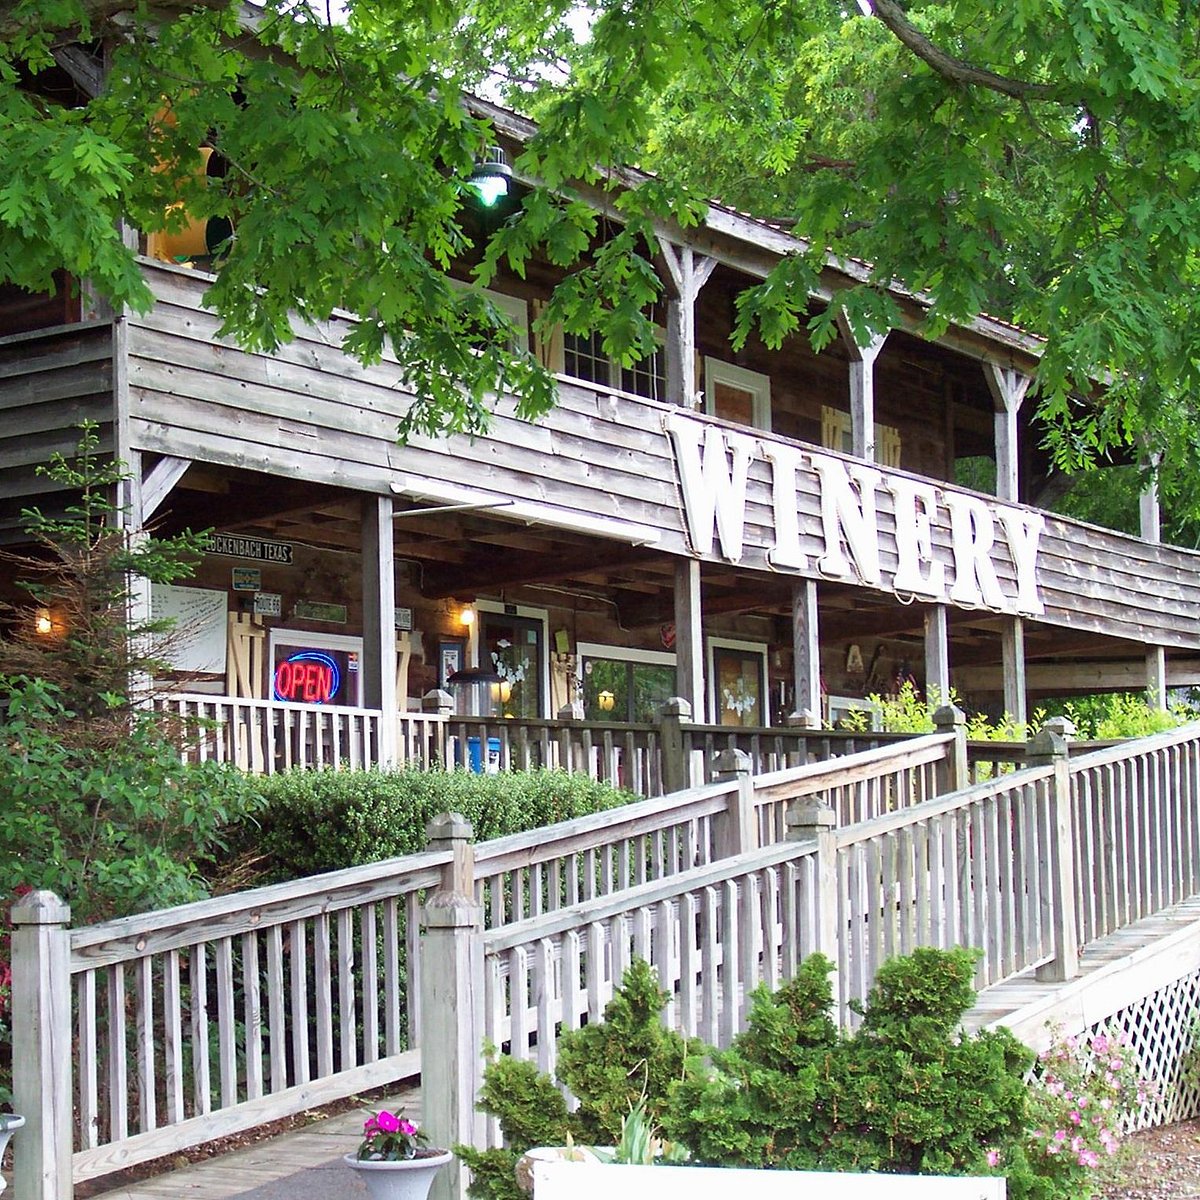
<point>905,1093</point>
<point>628,1059</point>
<point>315,821</point>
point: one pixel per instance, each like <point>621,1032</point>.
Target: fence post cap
<point>449,827</point>
<point>803,720</point>
<point>677,706</point>
<point>1045,745</point>
<point>949,716</point>
<point>437,700</point>
<point>731,762</point>
<point>1063,726</point>
<point>809,813</point>
<point>40,908</point>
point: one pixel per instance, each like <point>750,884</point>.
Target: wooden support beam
<point>1149,511</point>
<point>1058,678</point>
<point>689,636</point>
<point>689,272</point>
<point>1156,676</point>
<point>158,482</point>
<point>937,654</point>
<point>862,387</point>
<point>379,619</point>
<point>515,570</point>
<point>1008,388</point>
<point>806,653</point>
<point>1012,651</point>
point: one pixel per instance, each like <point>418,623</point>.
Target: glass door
<point>739,685</point>
<point>514,648</point>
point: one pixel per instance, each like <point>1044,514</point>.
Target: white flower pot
<point>405,1179</point>
<point>9,1124</point>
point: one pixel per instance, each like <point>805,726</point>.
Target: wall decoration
<point>196,642</point>
<point>262,549</point>
<point>247,579</point>
<point>268,604</point>
<point>404,619</point>
<point>312,610</point>
<point>450,658</point>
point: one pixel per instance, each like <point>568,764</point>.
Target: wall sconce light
<point>505,691</point>
<point>606,700</point>
<point>467,616</point>
<point>490,177</point>
<point>43,622</point>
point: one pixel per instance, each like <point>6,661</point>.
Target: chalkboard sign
<point>196,643</point>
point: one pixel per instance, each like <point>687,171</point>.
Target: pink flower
<point>993,1158</point>
<point>388,1122</point>
<point>1074,1117</point>
<point>1088,1158</point>
<point>407,1128</point>
<point>370,1126</point>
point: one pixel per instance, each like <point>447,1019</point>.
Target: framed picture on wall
<point>450,658</point>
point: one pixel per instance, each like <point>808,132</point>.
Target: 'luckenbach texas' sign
<point>947,546</point>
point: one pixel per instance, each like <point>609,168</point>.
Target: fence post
<point>952,772</point>
<point>1048,748</point>
<point>438,702</point>
<point>737,827</point>
<point>809,818</point>
<point>42,1053</point>
<point>676,775</point>
<point>452,998</point>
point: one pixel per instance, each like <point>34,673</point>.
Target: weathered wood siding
<point>310,413</point>
<point>49,384</point>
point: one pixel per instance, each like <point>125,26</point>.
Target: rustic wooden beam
<point>688,272</point>
<point>1059,678</point>
<point>1008,388</point>
<point>379,620</point>
<point>689,636</point>
<point>510,571</point>
<point>1012,654</point>
<point>159,480</point>
<point>862,387</point>
<point>806,653</point>
<point>937,653</point>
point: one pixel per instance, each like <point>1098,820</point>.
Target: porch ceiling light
<point>490,177</point>
<point>467,616</point>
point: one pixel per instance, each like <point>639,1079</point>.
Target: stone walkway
<point>303,1165</point>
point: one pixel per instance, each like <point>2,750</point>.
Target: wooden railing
<point>1026,868</point>
<point>210,1018</point>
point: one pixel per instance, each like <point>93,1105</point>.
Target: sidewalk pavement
<point>303,1165</point>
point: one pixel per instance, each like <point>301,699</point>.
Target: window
<point>837,433</point>
<point>620,684</point>
<point>513,307</point>
<point>737,672</point>
<point>734,393</point>
<point>584,358</point>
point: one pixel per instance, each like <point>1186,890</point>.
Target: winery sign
<point>851,522</point>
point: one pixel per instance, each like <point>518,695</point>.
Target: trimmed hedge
<point>315,821</point>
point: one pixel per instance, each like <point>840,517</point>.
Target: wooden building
<point>769,535</point>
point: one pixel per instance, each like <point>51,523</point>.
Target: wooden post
<point>809,818</point>
<point>42,1051</point>
<point>379,620</point>
<point>862,388</point>
<point>953,773</point>
<point>737,829</point>
<point>689,639</point>
<point>1008,388</point>
<point>937,655</point>
<point>452,997</point>
<point>1049,748</point>
<point>689,272</point>
<point>676,769</point>
<point>1012,654</point>
<point>806,655</point>
<point>1151,530</point>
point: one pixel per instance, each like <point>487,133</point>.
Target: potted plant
<point>395,1163</point>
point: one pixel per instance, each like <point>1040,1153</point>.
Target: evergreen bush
<point>315,821</point>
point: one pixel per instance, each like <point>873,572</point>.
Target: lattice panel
<point>1160,1031</point>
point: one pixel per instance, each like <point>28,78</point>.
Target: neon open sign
<point>308,677</point>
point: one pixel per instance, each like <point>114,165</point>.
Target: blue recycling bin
<point>475,757</point>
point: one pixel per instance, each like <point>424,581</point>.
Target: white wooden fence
<point>142,1036</point>
<point>266,736</point>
